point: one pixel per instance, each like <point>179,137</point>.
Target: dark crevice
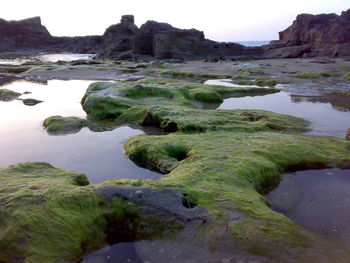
<point>188,202</point>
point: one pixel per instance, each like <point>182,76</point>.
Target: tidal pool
<point>325,119</point>
<point>100,155</point>
<point>318,200</point>
<point>46,58</point>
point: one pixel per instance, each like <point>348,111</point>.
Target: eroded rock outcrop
<point>314,35</point>
<point>163,41</point>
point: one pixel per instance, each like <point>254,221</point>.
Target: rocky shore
<point>308,36</point>
<point>214,165</point>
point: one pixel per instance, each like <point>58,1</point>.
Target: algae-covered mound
<point>224,172</point>
<point>51,215</point>
<point>8,95</point>
<point>168,104</point>
<point>64,125</point>
<point>46,214</point>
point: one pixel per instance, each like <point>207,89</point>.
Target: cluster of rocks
<point>123,41</point>
<point>313,36</point>
<point>308,36</point>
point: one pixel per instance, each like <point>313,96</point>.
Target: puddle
<point>100,155</point>
<point>326,119</point>
<point>64,57</point>
<point>318,200</point>
<point>46,58</point>
<point>119,253</point>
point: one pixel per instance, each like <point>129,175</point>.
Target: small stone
<point>347,136</point>
<point>225,260</point>
<point>139,193</point>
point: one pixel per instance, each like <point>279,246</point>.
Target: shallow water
<point>64,57</point>
<point>318,200</point>
<point>325,119</point>
<point>119,253</point>
<point>48,58</point>
<point>97,154</point>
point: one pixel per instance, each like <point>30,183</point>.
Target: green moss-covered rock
<point>46,214</point>
<point>164,103</point>
<point>51,215</point>
<point>311,75</point>
<point>224,172</point>
<point>64,125</point>
<point>264,81</point>
<point>8,95</point>
<point>347,77</point>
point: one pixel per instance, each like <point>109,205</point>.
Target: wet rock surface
<point>167,206</point>
<point>8,95</point>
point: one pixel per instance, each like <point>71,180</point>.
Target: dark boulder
<point>118,39</point>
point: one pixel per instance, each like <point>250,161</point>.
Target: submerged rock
<point>8,95</point>
<point>31,102</point>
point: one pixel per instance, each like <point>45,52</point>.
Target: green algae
<point>48,214</point>
<point>347,77</point>
<point>58,124</point>
<point>312,75</point>
<point>161,102</point>
<point>224,172</point>
<point>8,95</point>
<point>186,74</point>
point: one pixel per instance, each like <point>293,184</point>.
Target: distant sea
<point>254,43</point>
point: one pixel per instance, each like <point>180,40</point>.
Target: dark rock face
<point>163,41</point>
<point>117,39</point>
<point>308,36</point>
<point>23,34</point>
<point>314,35</point>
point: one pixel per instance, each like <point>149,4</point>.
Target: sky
<point>221,20</point>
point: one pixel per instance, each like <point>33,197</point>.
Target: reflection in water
<point>47,58</point>
<point>325,120</point>
<point>318,200</point>
<point>23,139</point>
<point>64,57</point>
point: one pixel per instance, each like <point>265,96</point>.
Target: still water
<point>325,119</point>
<point>97,154</point>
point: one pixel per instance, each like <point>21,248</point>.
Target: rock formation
<point>122,41</point>
<point>308,36</point>
<point>314,35</point>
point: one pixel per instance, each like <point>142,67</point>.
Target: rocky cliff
<point>308,36</point>
<point>314,35</point>
<point>122,41</point>
<point>163,41</point>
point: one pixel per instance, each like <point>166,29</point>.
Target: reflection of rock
<point>337,100</point>
<point>347,136</point>
<point>31,102</point>
<point>8,95</point>
<point>58,125</point>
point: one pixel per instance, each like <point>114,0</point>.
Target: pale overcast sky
<point>221,20</point>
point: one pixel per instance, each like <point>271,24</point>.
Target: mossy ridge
<point>223,171</point>
<point>43,211</point>
<point>161,102</point>
<point>52,215</point>
<point>8,95</point>
<point>186,74</point>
